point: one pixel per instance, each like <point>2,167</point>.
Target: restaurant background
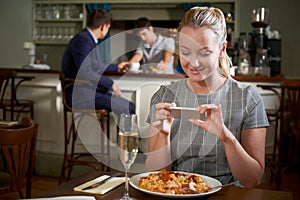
<point>16,24</point>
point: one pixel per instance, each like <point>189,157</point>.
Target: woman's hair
<point>98,17</point>
<point>212,18</point>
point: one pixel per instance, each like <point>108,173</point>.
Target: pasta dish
<point>170,182</point>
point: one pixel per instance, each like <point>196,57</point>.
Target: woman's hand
<point>214,123</point>
<point>163,120</point>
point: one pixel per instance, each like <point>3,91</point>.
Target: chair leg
<point>4,114</point>
<point>108,137</point>
<point>21,194</point>
<point>74,137</point>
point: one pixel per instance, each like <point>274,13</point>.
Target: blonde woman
<point>230,144</point>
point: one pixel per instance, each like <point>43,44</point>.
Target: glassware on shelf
<point>56,22</point>
<point>60,33</point>
<point>43,32</point>
<point>66,33</point>
<point>39,11</point>
<point>67,11</point>
<point>128,138</point>
<point>53,32</point>
<point>48,33</point>
<point>37,34</point>
<point>55,12</point>
<point>47,12</point>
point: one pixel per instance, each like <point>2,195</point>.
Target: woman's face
<point>199,52</point>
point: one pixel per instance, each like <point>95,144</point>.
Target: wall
<point>15,22</point>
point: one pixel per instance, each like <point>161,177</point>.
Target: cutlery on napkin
<point>101,185</point>
<point>97,184</point>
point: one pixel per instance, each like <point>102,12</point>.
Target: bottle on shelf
<point>244,63</point>
<point>262,67</point>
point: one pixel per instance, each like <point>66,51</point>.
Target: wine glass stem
<point>126,193</point>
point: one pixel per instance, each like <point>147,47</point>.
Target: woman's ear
<point>223,49</point>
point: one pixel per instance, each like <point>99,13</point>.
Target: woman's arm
<point>246,159</point>
<point>159,155</point>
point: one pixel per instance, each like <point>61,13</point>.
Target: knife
<point>101,182</point>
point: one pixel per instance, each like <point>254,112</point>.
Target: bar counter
<point>156,75</point>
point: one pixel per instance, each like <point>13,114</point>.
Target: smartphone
<point>186,113</point>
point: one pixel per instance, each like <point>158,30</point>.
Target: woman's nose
<point>195,62</point>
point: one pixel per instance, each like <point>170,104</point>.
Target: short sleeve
<point>162,95</point>
<point>256,116</point>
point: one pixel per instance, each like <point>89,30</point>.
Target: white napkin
<point>67,198</point>
<point>102,189</point>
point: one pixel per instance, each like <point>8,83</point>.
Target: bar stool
<point>71,157</point>
<point>13,105</point>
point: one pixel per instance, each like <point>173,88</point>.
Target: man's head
<point>145,30</point>
<point>99,22</point>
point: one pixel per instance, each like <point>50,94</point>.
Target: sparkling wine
<point>128,144</point>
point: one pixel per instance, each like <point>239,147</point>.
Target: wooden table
<point>226,193</point>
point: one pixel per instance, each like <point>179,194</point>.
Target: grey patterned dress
<point>195,150</point>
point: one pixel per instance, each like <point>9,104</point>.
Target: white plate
<point>134,181</point>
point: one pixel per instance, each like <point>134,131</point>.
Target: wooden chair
<point>290,115</point>
<point>13,105</point>
<point>71,156</point>
<point>286,128</point>
<point>18,147</point>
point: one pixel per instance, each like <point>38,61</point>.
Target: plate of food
<point>175,184</point>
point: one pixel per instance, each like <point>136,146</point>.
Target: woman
<point>230,144</point>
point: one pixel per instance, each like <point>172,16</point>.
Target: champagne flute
<point>128,138</point>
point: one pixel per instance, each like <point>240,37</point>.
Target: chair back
<point>291,97</point>
<point>5,76</point>
<point>18,147</point>
<point>290,116</point>
<point>67,85</point>
<point>142,98</point>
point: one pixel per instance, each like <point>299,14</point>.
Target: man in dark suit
<point>82,60</point>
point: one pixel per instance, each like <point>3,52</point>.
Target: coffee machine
<point>259,22</point>
<point>263,44</point>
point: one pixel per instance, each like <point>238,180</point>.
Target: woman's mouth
<point>196,70</point>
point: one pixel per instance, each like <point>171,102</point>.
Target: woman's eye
<point>206,53</point>
<point>185,53</point>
